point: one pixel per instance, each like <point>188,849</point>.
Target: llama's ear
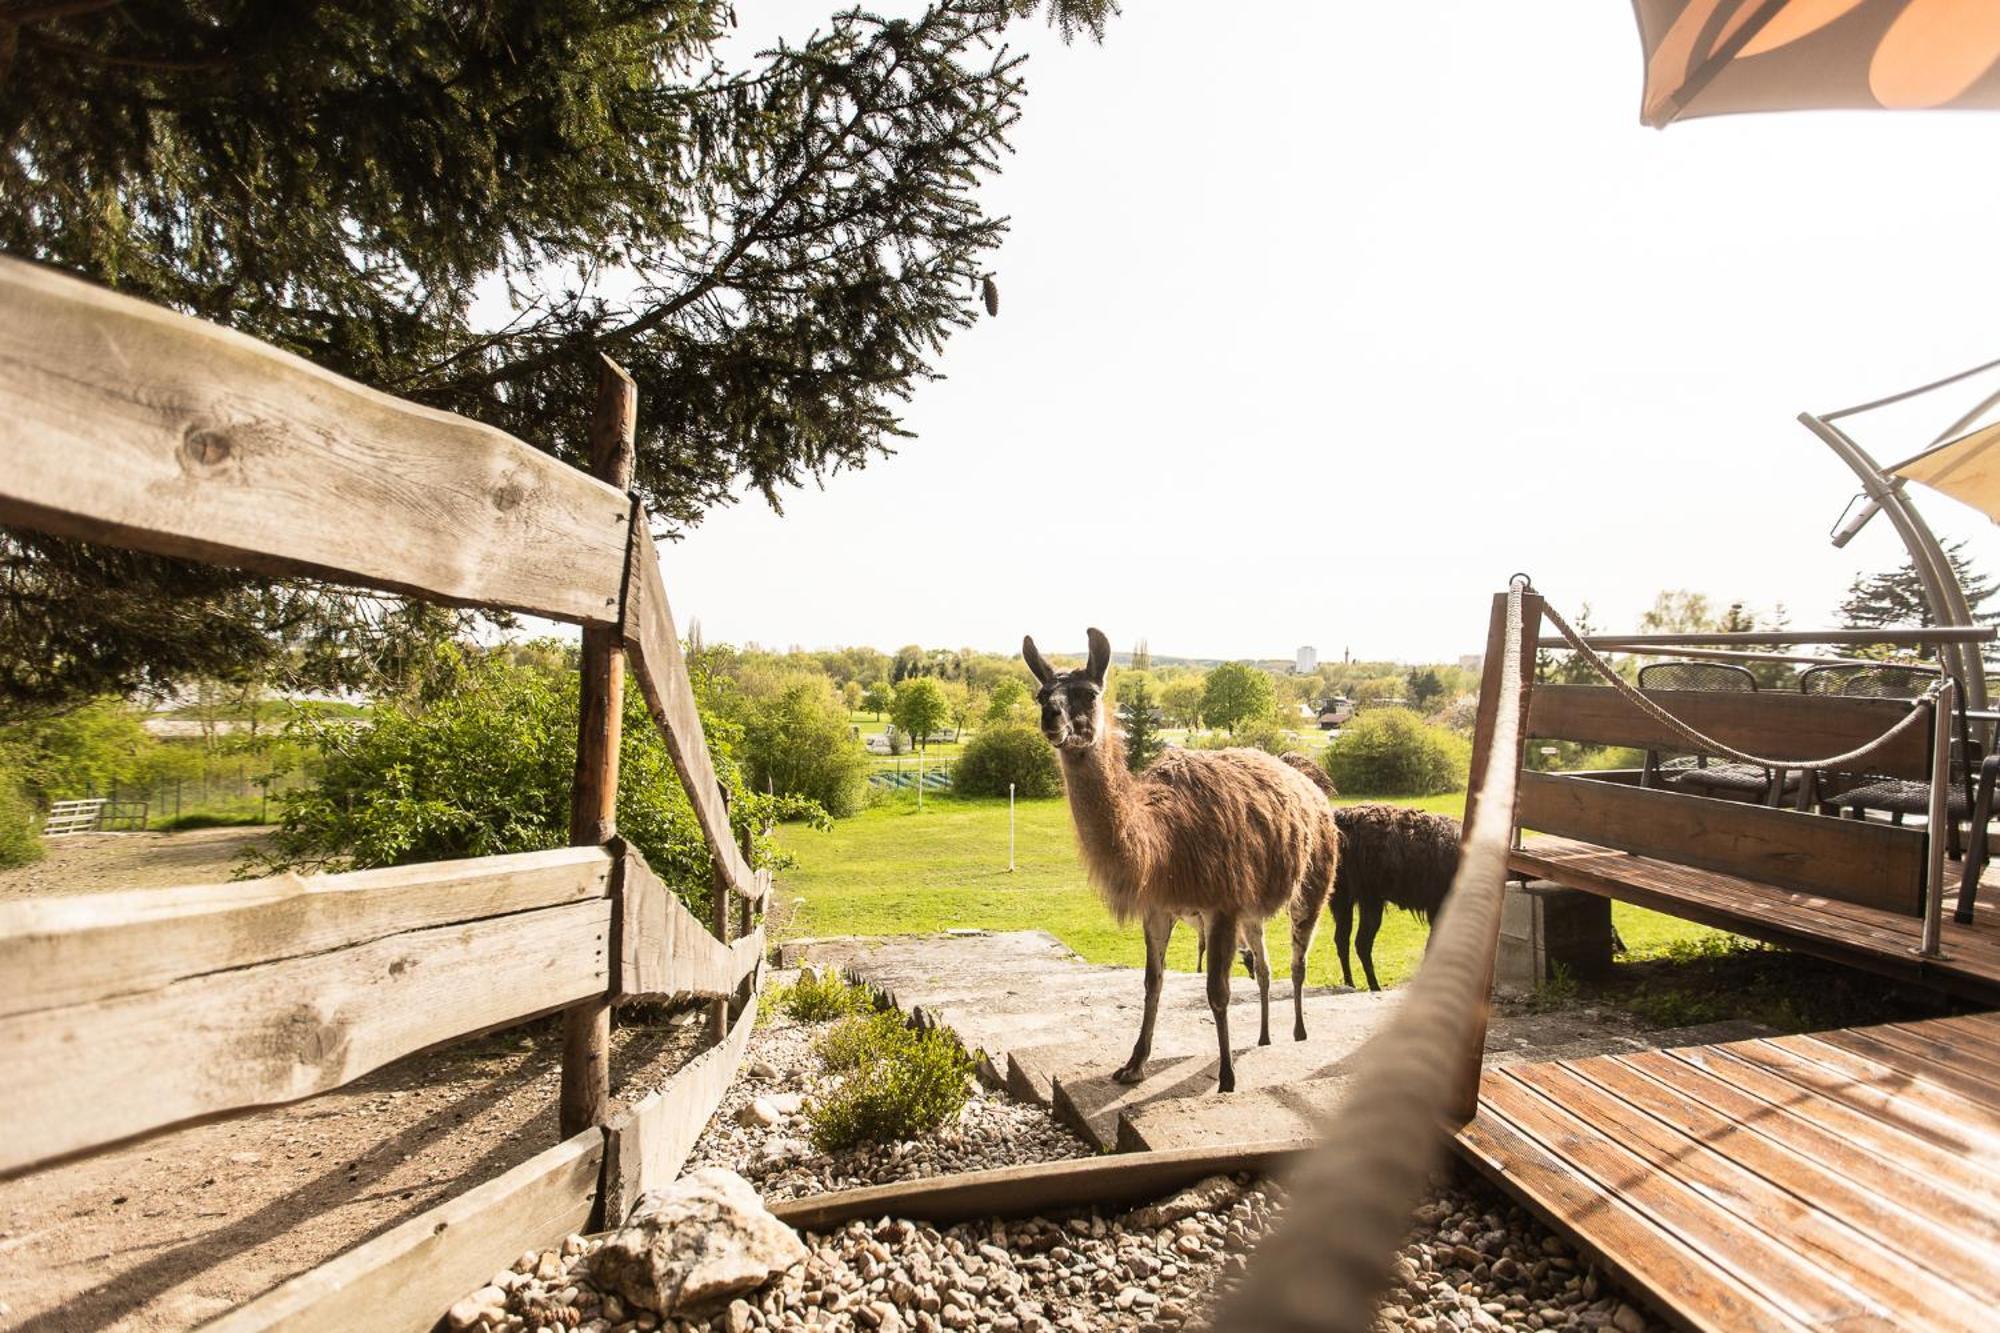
<point>1036,662</point>
<point>1100,655</point>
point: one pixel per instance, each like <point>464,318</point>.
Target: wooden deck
<point>1867,937</point>
<point>1844,1179</point>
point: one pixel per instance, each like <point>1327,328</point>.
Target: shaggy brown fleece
<point>1388,854</point>
<point>1200,831</point>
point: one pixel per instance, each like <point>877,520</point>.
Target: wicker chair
<point>1696,773</point>
<point>1896,797</point>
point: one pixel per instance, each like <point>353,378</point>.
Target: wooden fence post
<point>1466,1103</point>
<point>593,810</point>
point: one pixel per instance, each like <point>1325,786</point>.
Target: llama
<point>1388,854</point>
<point>1231,835</point>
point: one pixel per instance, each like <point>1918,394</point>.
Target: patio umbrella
<point>1715,57</point>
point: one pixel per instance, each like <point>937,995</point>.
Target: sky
<point>1319,320</point>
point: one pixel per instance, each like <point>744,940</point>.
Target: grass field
<point>892,871</point>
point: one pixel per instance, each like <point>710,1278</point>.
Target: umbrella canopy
<point>1966,469</point>
<point>1714,57</point>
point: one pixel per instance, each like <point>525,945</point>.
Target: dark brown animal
<point>1230,835</point>
<point>1388,854</point>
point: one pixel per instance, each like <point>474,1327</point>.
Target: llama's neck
<point>1113,826</point>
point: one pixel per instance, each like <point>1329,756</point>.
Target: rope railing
<point>1918,716</point>
<point>1352,1197</point>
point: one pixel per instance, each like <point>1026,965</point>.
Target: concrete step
<point>1297,1110</point>
<point>1184,1065</point>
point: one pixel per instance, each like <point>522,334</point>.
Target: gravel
<point>1473,1260</point>
<point>774,1150</point>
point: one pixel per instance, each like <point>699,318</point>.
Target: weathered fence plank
<point>407,1277</point>
<point>1850,859</point>
<point>132,425</point>
<point>87,1075</point>
<point>650,1142</point>
<point>664,949</point>
<point>655,645</point>
<point>72,950</point>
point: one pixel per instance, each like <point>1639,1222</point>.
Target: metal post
<point>1010,828</point>
<point>1939,831</point>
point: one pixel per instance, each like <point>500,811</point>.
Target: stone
<point>1626,1319</point>
<point>786,1103</point>
<point>762,1069</point>
<point>777,1154</point>
<point>758,1113</point>
<point>737,1318</point>
<point>693,1244</point>
<point>1204,1196</point>
<point>466,1314</point>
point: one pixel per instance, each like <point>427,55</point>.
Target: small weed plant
<point>819,997</point>
<point>1560,991</point>
<point>898,1082</point>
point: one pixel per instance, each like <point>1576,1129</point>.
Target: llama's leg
<point>1364,939</point>
<point>1221,960</point>
<point>1200,943</point>
<point>1159,927</point>
<point>1342,908</point>
<point>1305,921</point>
<point>1260,968</point>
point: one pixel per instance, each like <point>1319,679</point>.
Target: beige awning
<point>1715,57</point>
<point>1966,469</point>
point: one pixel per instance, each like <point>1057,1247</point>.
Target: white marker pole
<point>1010,828</point>
<point>920,777</point>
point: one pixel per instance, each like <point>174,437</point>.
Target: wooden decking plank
<point>1899,1239</point>
<point>1965,1101</point>
<point>1887,1106</point>
<point>1881,941</point>
<point>1797,1287</point>
<point>1842,1140</point>
<point>1831,1262</point>
<point>1979,1031</point>
<point>1680,1278</point>
<point>1940,1050</point>
<point>1866,1119</point>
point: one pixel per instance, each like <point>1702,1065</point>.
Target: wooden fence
<point>130,1013</point>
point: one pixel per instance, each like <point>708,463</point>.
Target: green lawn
<point>892,871</point>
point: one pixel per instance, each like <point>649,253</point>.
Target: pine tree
<point>776,253</point>
<point>1142,656</point>
<point>1137,716</point>
<point>1895,600</point>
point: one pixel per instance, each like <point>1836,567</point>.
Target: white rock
<point>1204,1196</point>
<point>687,1246</point>
<point>758,1113</point>
<point>737,1319</point>
<point>786,1103</point>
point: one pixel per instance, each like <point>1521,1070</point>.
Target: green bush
<point>1257,734</point>
<point>484,765</point>
<point>800,744</point>
<point>1000,755</point>
<point>899,1082</point>
<point>19,843</point>
<point>817,997</point>
<point>1393,752</point>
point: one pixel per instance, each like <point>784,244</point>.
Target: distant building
<point>1308,661</point>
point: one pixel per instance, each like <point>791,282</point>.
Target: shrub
<point>19,843</point>
<point>799,744</point>
<point>484,765</point>
<point>1000,755</point>
<point>1260,734</point>
<point>899,1082</point>
<point>817,997</point>
<point>1393,752</point>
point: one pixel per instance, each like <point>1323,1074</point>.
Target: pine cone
<point>991,293</point>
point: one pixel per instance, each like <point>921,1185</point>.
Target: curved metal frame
<point>1941,590</point>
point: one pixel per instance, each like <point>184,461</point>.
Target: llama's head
<point>1072,702</point>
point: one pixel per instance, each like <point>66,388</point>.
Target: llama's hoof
<point>1264,1040</point>
<point>1132,1073</point>
<point>1298,1034</point>
<point>1227,1083</point>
